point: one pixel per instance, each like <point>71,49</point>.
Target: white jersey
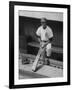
<point>44,34</point>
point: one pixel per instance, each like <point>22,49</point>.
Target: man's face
<point>43,23</point>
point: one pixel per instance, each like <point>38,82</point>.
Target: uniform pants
<point>47,51</point>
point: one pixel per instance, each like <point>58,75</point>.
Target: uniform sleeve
<point>38,32</point>
<point>50,33</point>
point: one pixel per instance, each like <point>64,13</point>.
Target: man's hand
<point>43,44</point>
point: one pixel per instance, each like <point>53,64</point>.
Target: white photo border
<point>18,81</point>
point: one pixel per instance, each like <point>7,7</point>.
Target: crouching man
<point>45,37</point>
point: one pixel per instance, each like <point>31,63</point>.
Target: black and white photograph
<point>40,44</point>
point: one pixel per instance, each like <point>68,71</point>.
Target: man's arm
<point>51,39</point>
<point>38,37</point>
<point>38,34</point>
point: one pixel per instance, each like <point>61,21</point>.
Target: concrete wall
<point>57,16</point>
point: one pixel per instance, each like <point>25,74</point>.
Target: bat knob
<point>33,69</point>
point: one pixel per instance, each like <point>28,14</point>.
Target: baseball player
<point>45,36</point>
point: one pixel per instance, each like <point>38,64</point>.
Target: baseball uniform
<point>45,35</point>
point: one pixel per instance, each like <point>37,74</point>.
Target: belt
<point>44,41</point>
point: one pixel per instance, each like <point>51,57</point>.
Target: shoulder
<point>49,28</point>
<point>38,32</point>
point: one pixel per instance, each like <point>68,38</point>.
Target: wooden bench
<point>54,49</point>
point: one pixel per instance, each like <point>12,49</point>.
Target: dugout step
<point>42,71</point>
<point>31,58</point>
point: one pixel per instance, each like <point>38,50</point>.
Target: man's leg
<point>43,56</point>
<point>48,53</point>
<point>47,62</point>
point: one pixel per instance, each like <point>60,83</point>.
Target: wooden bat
<point>38,57</point>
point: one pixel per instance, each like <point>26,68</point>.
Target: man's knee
<point>48,52</point>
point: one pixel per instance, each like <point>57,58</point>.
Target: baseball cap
<point>43,19</point>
